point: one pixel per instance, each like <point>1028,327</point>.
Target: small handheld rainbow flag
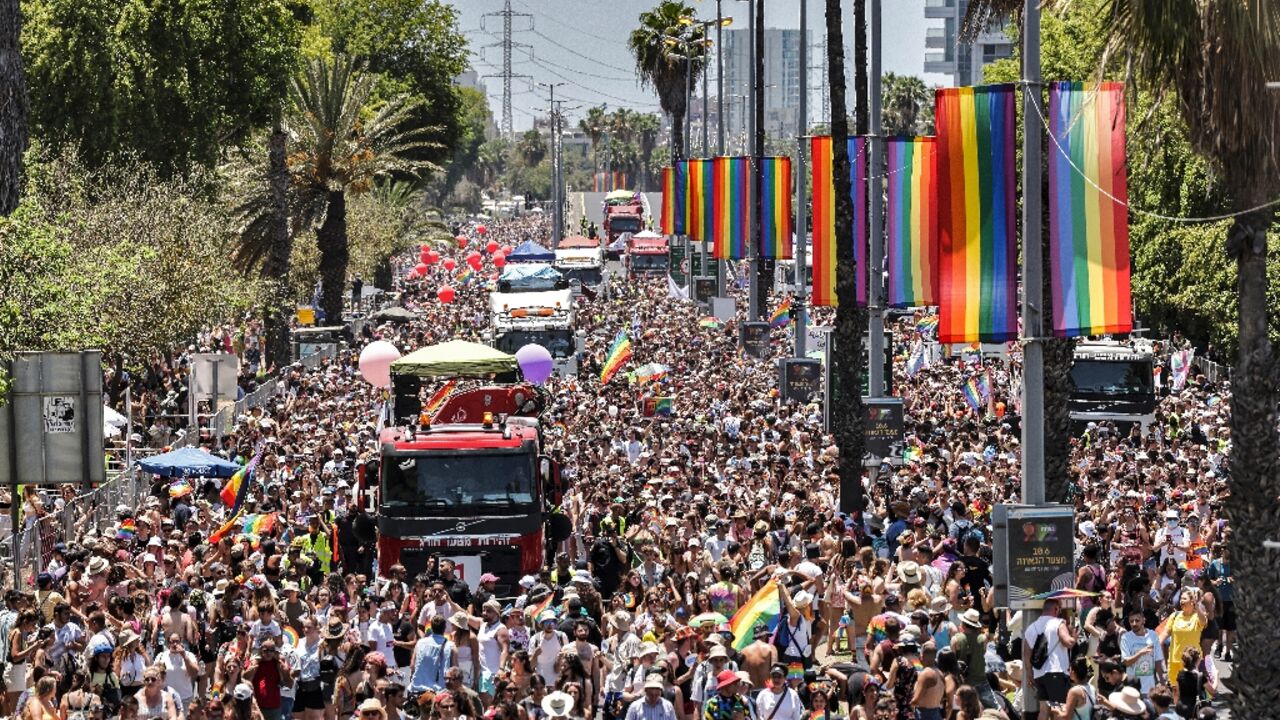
<point>128,529</point>
<point>619,354</point>
<point>464,277</point>
<point>290,636</point>
<point>180,488</point>
<point>763,608</point>
<point>973,394</point>
<point>237,487</point>
<point>782,315</point>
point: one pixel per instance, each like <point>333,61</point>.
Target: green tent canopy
<point>455,358</point>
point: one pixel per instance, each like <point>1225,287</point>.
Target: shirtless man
<point>759,656</point>
<point>863,603</point>
<point>927,695</point>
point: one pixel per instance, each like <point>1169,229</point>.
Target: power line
<point>571,81</point>
<point>564,24</point>
<point>572,51</point>
<point>587,74</point>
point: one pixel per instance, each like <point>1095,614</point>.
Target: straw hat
<point>557,704</point>
<point>972,618</point>
<point>1127,700</point>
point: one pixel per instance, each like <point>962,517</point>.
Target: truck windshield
<point>619,224</point>
<point>560,343</point>
<point>584,275</point>
<point>457,480</point>
<point>1112,377</point>
<point>648,262</point>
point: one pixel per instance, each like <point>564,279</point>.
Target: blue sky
<point>583,44</point>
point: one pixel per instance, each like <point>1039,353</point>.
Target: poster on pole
<point>1034,553</point>
<point>754,339</point>
<point>51,421</point>
<point>208,368</point>
<point>884,427</point>
<point>800,379</point>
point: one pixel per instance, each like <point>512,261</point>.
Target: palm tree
<point>342,146</point>
<point>848,361</point>
<point>13,106</point>
<point>594,125</point>
<point>667,49</point>
<point>647,127</point>
<point>531,148</point>
<point>1214,58</point>
<point>908,105</point>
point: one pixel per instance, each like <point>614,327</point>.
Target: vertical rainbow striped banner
<point>707,191</point>
<point>732,177</point>
<point>911,222</point>
<point>684,198</point>
<point>1088,209</point>
<point>695,199</point>
<point>824,218</point>
<point>977,244</point>
<point>775,221</point>
<point>668,201</point>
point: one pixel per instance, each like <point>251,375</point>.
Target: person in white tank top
<point>494,640</point>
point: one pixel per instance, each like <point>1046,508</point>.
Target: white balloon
<point>375,362</point>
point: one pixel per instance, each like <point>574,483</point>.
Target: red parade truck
<point>647,254</point>
<point>463,475</point>
<point>623,213</point>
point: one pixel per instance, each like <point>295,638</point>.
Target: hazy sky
<point>583,44</point>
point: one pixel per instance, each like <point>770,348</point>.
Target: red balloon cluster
<point>421,268</point>
<point>432,257</point>
<point>481,230</point>
<point>499,260</point>
<point>462,241</point>
<point>474,260</point>
<point>449,264</point>
<point>445,294</point>
<point>491,246</point>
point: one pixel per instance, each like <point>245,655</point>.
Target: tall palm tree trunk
<point>1252,506</point>
<point>861,108</point>
<point>13,106</point>
<point>848,359</point>
<point>332,241</point>
<point>276,268</point>
<point>677,136</point>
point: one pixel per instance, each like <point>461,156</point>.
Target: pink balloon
<point>413,275</point>
<point>445,294</point>
<point>449,264</point>
<point>499,261</point>
<point>491,246</point>
<point>375,362</point>
<point>481,230</point>
<point>462,241</point>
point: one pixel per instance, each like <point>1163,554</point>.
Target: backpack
<point>1040,650</point>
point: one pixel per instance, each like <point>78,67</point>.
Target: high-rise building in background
<point>781,81</point>
<point>963,62</point>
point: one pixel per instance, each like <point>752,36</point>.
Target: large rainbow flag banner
<point>619,354</point>
<point>667,224</point>
<point>824,218</point>
<point>763,608</point>
<point>775,219</point>
<point>680,191</point>
<point>701,198</point>
<point>977,272</point>
<point>1088,209</point>
<point>732,184</point>
<point>911,222</point>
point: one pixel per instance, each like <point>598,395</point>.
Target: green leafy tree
<point>414,47</point>
<point>669,53</point>
<point>647,127</point>
<point>341,146</point>
<point>594,125</point>
<point>907,105</point>
<point>13,106</point>
<point>531,148</point>
<point>175,82</point>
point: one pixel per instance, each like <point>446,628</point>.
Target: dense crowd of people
<point>676,522</point>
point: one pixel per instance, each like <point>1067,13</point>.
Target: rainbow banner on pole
<point>707,190</point>
<point>732,183</point>
<point>1088,210</point>
<point>683,207</point>
<point>619,354</point>
<point>824,218</point>
<point>977,244</point>
<point>775,220</point>
<point>911,222</point>
<point>668,221</point>
<point>701,199</point>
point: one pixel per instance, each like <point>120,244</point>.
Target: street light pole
<point>801,274</point>
<point>557,187</point>
<point>875,195</point>
<point>755,118</point>
<point>721,266</point>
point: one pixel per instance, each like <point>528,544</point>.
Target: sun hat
<point>488,577</point>
<point>654,680</point>
<point>1127,700</point>
<point>909,572</point>
<point>98,565</point>
<point>939,605</point>
<point>243,691</point>
<point>717,651</point>
<point>557,704</point>
<point>372,705</point>
<point>803,599</point>
<point>971,617</point>
<point>459,620</point>
<point>647,648</point>
<point>726,678</point>
<point>336,629</point>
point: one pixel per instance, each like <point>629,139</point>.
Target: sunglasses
<point>149,680</point>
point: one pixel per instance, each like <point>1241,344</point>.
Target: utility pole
<point>557,188</point>
<point>801,264</point>
<point>507,45</point>
<point>761,275</point>
<point>722,268</point>
<point>755,93</point>
<point>875,197</point>
<point>1032,299</point>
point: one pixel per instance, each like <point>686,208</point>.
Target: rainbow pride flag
<point>824,218</point>
<point>763,608</point>
<point>619,354</point>
<point>237,487</point>
<point>977,243</point>
<point>701,200</point>
<point>255,524</point>
<point>180,488</point>
<point>732,187</point>
<point>911,223</point>
<point>681,220</point>
<point>973,394</point>
<point>438,397</point>
<point>290,636</point>
<point>782,315</point>
<point>775,220</point>
<point>128,529</point>
<point>1088,209</point>
<point>668,216</point>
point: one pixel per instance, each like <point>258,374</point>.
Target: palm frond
<point>983,14</point>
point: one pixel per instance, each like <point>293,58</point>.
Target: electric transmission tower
<point>507,45</point>
<point>825,117</point>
